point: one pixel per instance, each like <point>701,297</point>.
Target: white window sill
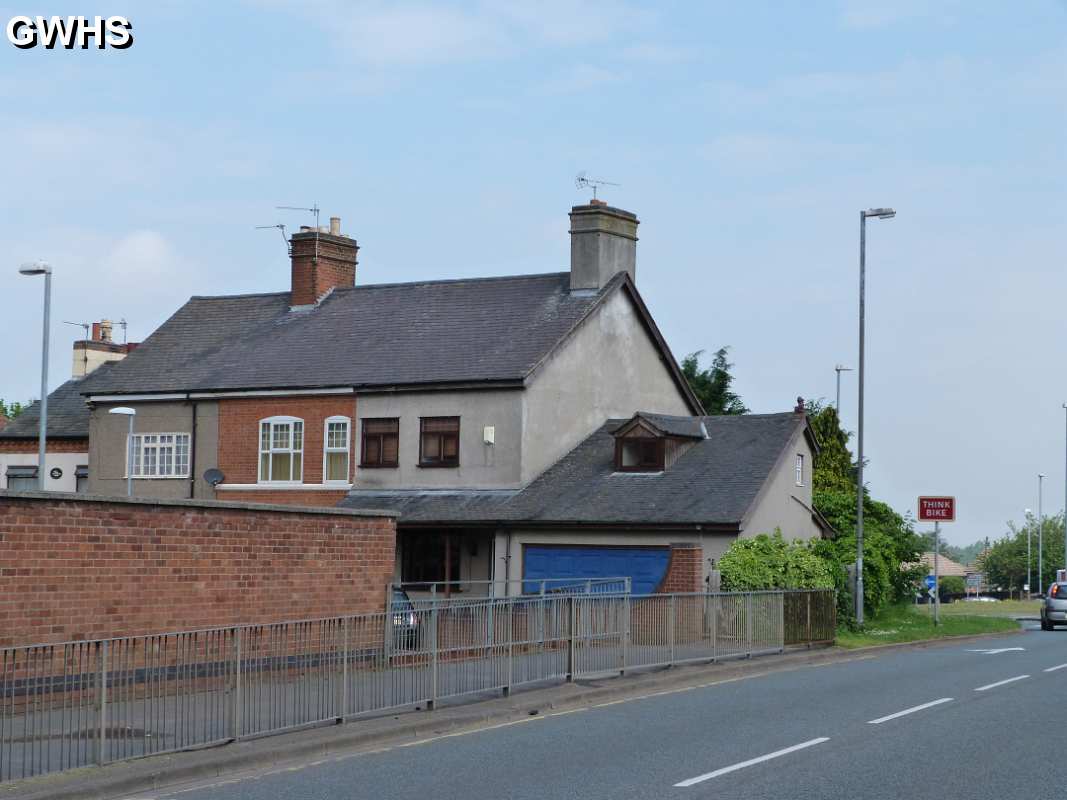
<point>157,477</point>
<point>274,487</point>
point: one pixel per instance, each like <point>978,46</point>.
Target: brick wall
<point>285,497</point>
<point>86,568</point>
<point>312,277</point>
<point>51,445</point>
<point>685,573</point>
<point>239,439</point>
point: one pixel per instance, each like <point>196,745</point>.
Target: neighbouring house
<point>298,396</point>
<point>67,435</point>
<point>630,500</point>
<point>946,566</point>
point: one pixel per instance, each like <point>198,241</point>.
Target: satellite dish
<point>214,476</point>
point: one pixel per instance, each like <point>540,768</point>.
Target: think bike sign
<point>937,509</point>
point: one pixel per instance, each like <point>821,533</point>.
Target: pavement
<point>887,722</point>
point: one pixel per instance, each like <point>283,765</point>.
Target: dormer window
<point>639,454</point>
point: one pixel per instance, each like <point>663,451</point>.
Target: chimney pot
<point>603,243</point>
<point>105,330</point>
<point>335,226</point>
<point>96,332</point>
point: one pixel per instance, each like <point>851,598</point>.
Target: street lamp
<point>876,213</point>
<point>839,369</point>
<point>126,411</point>
<point>41,268</point>
<point>1065,506</point>
<point>1029,535</point>
<point>1040,532</point>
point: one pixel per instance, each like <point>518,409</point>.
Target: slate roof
<point>68,416</point>
<point>713,482</point>
<point>688,427</point>
<point>456,331</point>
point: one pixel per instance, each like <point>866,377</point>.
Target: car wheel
<point>1046,625</point>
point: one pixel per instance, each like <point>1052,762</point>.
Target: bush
<point>770,562</point>
<point>952,584</point>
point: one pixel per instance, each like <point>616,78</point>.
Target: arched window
<point>335,450</point>
<point>281,450</point>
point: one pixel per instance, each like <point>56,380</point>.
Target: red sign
<point>937,509</point>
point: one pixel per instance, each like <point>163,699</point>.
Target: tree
<point>952,585</point>
<point>1005,562</point>
<point>712,385</point>
<point>12,410</point>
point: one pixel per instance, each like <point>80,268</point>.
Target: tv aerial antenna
<point>279,226</point>
<point>313,210</point>
<point>583,182</point>
<point>80,325</point>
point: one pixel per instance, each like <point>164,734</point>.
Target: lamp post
<point>1065,503</point>
<point>41,268</point>
<point>126,411</point>
<point>1029,536</point>
<point>877,213</point>
<point>1040,532</point>
<point>839,369</point>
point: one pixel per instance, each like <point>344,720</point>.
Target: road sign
<point>974,580</point>
<point>929,581</point>
<point>937,509</point>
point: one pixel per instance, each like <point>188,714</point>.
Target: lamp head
<point>125,411</point>
<point>35,268</point>
<point>880,213</point>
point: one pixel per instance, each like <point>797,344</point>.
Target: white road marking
<point>1001,683</point>
<point>1053,669</point>
<point>998,650</point>
<point>752,761</point>
<point>907,711</point>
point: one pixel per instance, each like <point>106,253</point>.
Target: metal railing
<point>93,702</point>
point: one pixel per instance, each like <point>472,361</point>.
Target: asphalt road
<point>943,722</point>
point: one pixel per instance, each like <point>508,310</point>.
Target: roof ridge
<point>440,281</point>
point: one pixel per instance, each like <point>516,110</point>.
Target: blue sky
<point>746,136</point>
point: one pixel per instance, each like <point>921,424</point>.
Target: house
<point>299,396</point>
<point>623,503</point>
<point>67,436</point>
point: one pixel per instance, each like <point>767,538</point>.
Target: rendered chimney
<point>100,349</point>
<point>603,243</point>
<point>322,260</point>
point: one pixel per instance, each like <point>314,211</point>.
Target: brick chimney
<point>98,349</point>
<point>603,243</point>
<point>322,260</point>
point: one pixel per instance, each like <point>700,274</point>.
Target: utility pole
<point>1040,533</point>
<point>839,369</point>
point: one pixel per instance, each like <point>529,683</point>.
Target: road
<point>944,722</point>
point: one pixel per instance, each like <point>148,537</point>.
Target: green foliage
<point>712,385</point>
<point>834,469</point>
<point>1005,563</point>
<point>12,410</point>
<point>952,584</point>
<point>770,562</point>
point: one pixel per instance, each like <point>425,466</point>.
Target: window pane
<point>337,435</point>
<point>181,458</point>
<point>264,467</point>
<point>149,465</point>
<point>281,464</point>
<point>337,467</point>
<point>451,447</point>
<point>440,424</point>
<point>280,440</point>
<point>390,448</point>
<point>21,484</point>
<point>136,455</point>
<point>298,435</point>
<point>296,466</point>
<point>381,425</point>
<point>431,448</point>
<point>372,453</point>
<point>166,460</point>
<point>630,453</point>
<point>264,436</point>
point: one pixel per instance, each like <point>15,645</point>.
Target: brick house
<point>407,396</point>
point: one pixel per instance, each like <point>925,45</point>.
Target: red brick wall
<point>239,440</point>
<point>51,445</point>
<point>85,569</point>
<point>685,573</point>
<point>336,266</point>
<point>285,497</point>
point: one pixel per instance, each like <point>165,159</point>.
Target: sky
<point>447,136</point>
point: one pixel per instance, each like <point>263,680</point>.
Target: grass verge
<point>906,624</point>
<point>1003,608</point>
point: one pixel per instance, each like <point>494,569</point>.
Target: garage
<point>645,566</point>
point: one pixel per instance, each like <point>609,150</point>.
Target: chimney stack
<point>100,349</point>
<point>322,260</point>
<point>603,243</point>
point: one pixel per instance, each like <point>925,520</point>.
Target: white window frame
<point>140,447</point>
<point>798,469</point>
<point>327,450</point>
<point>272,421</point>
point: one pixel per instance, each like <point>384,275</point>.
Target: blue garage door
<point>645,566</point>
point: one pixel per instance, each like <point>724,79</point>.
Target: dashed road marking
<point>1001,683</point>
<point>751,762</point>
<point>907,711</point>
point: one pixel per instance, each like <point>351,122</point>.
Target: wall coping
<point>224,505</point>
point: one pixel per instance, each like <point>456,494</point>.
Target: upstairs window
<point>799,469</point>
<point>381,443</point>
<point>281,450</point>
<point>439,442</point>
<point>160,455</point>
<point>639,454</point>
<point>22,479</point>
<point>335,450</point>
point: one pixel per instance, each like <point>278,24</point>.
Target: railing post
<point>235,711</point>
<point>101,706</point>
<point>781,622</point>
<point>715,602</point>
<point>670,629</point>
<point>625,634</point>
<point>344,669</point>
<point>572,619</point>
<point>511,646</point>
<point>433,668</point>
<point>749,603</point>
